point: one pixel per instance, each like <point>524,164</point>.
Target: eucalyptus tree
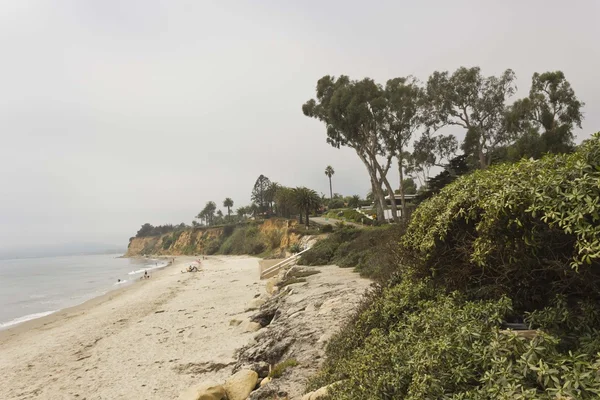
<point>354,115</point>
<point>403,117</point>
<point>329,173</point>
<point>476,103</point>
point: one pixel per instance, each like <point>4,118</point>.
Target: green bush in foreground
<point>515,241</point>
<point>529,229</point>
<point>415,342</point>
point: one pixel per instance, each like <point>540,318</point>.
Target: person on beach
<point>146,275</point>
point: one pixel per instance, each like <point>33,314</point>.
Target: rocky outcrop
<point>297,323</point>
<point>278,235</point>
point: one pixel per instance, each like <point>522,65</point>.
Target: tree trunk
<point>300,218</point>
<point>482,158</point>
<point>330,189</point>
<point>391,193</point>
<point>402,200</point>
<point>376,186</point>
<point>376,202</point>
<point>307,221</point>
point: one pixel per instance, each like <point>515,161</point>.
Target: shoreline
<point>147,340</point>
<point>48,318</point>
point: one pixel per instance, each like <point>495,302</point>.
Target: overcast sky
<point>116,113</point>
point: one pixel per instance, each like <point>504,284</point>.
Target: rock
<point>252,326</point>
<point>319,393</point>
<point>266,315</point>
<point>329,306</point>
<point>271,285</point>
<point>239,386</point>
<point>234,322</point>
<point>264,393</point>
<point>256,304</point>
<point>265,381</point>
<point>325,337</point>
<point>205,391</point>
<point>261,368</point>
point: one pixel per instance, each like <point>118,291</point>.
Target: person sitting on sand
<point>146,275</point>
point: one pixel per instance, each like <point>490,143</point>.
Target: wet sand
<point>150,340</point>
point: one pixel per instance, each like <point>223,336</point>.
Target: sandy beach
<point>151,340</point>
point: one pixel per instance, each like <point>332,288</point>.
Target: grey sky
<point>116,113</point>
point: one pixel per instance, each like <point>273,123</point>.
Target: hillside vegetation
<point>512,243</point>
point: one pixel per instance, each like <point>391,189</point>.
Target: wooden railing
<point>282,264</point>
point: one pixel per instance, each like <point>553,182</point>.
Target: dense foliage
<point>530,229</point>
<point>150,230</point>
<point>514,242</point>
<point>416,342</point>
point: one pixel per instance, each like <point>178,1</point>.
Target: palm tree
<point>228,203</point>
<point>306,200</point>
<point>329,172</point>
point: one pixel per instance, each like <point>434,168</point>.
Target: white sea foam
<point>121,282</point>
<point>25,318</point>
<point>149,268</point>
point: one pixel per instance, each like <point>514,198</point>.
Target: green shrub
<point>212,246</point>
<point>372,252</point>
<point>529,229</point>
<point>413,341</point>
<point>335,203</point>
<point>295,248</point>
<point>167,242</point>
<point>280,368</point>
<point>327,228</point>
<point>228,230</point>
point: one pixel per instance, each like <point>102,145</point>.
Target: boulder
<point>318,394</point>
<point>204,391</point>
<point>239,385</point>
<point>252,326</point>
<point>265,381</point>
<point>266,392</point>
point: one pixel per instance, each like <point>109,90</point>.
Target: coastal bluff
<point>276,235</point>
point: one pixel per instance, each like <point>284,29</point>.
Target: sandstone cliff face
<point>278,235</point>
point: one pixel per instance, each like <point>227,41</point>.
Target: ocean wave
<point>121,282</point>
<point>149,268</point>
<point>25,318</point>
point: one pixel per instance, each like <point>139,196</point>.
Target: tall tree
<point>329,172</point>
<point>270,193</point>
<point>241,212</point>
<point>555,109</point>
<point>259,192</point>
<point>474,102</point>
<point>208,212</point>
<point>306,200</point>
<point>404,98</point>
<point>228,203</point>
<point>284,202</point>
<point>354,115</point>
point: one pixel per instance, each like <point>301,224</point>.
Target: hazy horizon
<point>114,114</point>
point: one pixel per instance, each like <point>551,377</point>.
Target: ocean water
<point>35,287</point>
